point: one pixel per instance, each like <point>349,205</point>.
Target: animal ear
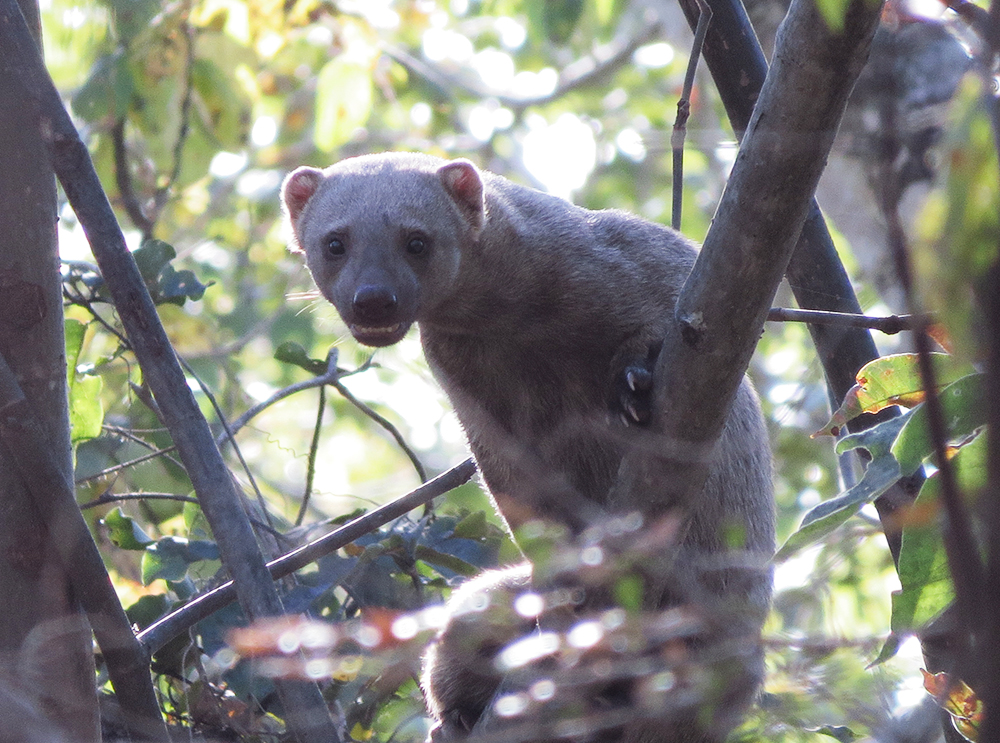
<point>298,188</point>
<point>462,181</point>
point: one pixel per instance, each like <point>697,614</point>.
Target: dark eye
<point>335,246</point>
<point>416,245</point>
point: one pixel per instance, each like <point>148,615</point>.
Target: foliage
<point>194,112</point>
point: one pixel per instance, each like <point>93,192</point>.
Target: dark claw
<point>639,379</point>
<point>640,416</point>
<point>635,392</point>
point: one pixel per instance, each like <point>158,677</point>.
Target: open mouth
<point>378,336</point>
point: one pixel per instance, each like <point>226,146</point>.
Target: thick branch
<point>128,665</point>
<point>815,273</point>
<point>723,305</point>
<point>212,481</point>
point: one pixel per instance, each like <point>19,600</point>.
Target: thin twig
<point>392,430</point>
<point>188,32</point>
<point>81,301</point>
<point>126,465</point>
<point>144,222</point>
<point>890,325</point>
<point>684,110</point>
<point>313,449</point>
<point>164,630</point>
<point>123,179</point>
<point>126,433</point>
<point>331,374</point>
<point>332,377</point>
<point>239,453</point>
<point>121,497</point>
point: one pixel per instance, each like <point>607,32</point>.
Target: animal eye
<point>335,246</point>
<point>416,245</point>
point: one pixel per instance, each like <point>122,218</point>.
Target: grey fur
<point>533,315</point>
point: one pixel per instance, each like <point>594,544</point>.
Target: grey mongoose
<point>541,321</point>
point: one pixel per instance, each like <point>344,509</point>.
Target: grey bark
<point>722,308</point>
<point>40,620</point>
<point>306,712</point>
<point>53,494</point>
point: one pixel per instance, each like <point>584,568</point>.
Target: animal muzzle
<point>375,315</point>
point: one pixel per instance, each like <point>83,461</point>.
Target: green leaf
<point>473,526</point>
<point>629,592</point>
<point>132,17</point>
<point>147,610</point>
<point>927,589</point>
<point>170,556</point>
<point>124,532</point>
<point>107,92</point>
<point>441,559</point>
<point>890,647</point>
<point>841,733</point>
<point>194,520</point>
<point>176,287</point>
<point>86,411</point>
<point>346,518</point>
<point>225,109</point>
<point>956,229</point>
<point>344,97</point>
<point>881,473</point>
<point>604,10</point>
<point>75,332</point>
<point>892,380</point>
<point>560,18</point>
<point>291,352</point>
<point>151,257</point>
<point>963,411</point>
<point>923,563</point>
<point>166,284</point>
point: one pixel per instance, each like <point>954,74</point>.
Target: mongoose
<point>541,321</point>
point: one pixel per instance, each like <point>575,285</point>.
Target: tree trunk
<point>47,681</point>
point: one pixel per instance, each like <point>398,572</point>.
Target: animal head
<point>383,235</point>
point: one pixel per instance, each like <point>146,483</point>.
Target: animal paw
<point>636,394</point>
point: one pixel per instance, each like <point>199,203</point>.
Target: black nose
<point>374,304</point>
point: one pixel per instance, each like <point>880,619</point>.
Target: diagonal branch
<point>163,631</point>
<point>588,70</point>
<point>815,273</point>
<point>723,305</point>
<point>307,714</point>
<point>128,664</point>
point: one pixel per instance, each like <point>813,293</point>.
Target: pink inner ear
<point>463,182</point>
<point>299,188</point>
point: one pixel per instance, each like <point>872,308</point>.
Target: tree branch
<point>684,111</point>
<point>723,305</point>
<point>159,634</point>
<point>128,664</point>
<point>123,179</point>
<point>815,273</point>
<point>107,498</point>
<point>889,325</point>
<point>588,70</point>
<point>307,715</point>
